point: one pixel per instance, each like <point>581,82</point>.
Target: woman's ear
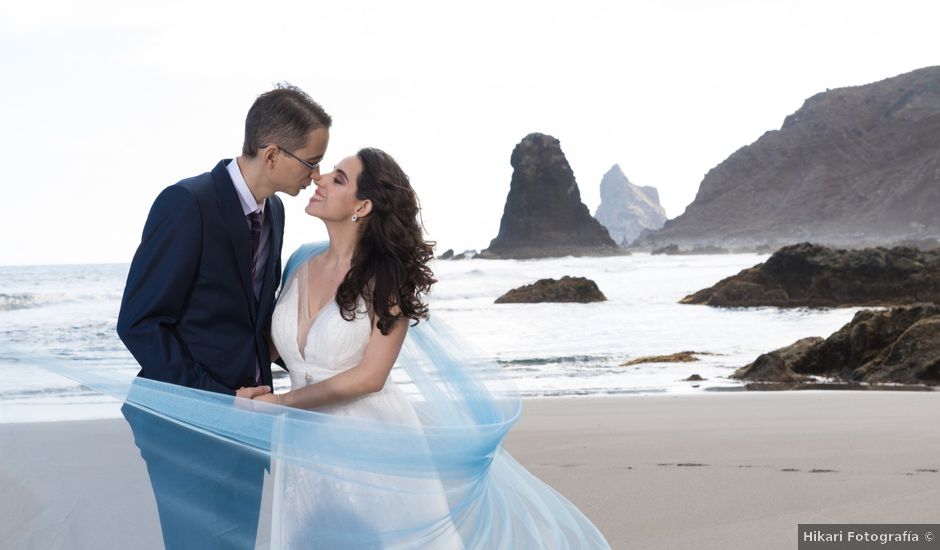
<point>365,207</point>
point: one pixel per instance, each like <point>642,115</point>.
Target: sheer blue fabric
<point>343,482</point>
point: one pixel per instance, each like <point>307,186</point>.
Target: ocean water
<point>67,314</point>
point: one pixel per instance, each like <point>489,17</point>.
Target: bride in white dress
<point>341,320</point>
<point>340,364</point>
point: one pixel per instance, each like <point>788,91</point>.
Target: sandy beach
<point>724,470</point>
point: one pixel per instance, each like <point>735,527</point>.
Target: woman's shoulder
<point>300,257</point>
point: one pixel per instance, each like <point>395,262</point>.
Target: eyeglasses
<point>312,167</point>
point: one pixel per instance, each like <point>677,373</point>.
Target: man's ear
<point>269,154</point>
<point>365,208</point>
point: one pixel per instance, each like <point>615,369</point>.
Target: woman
<point>371,276</point>
<point>374,466</point>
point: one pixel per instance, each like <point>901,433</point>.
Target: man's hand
<point>268,398</point>
<point>251,393</point>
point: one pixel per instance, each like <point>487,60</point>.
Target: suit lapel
<point>234,219</point>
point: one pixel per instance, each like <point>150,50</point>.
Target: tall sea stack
<point>627,209</point>
<point>544,215</point>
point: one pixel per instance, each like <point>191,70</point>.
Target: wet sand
<point>733,470</point>
<point>737,470</point>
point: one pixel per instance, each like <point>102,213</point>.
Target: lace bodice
<point>315,346</point>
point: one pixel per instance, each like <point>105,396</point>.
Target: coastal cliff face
<point>544,215</point>
<point>627,209</point>
<point>853,166</point>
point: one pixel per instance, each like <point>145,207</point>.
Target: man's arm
<point>161,278</point>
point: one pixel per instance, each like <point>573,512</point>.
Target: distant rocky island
<point>856,166</point>
<point>544,215</point>
<point>627,209</point>
<point>808,275</point>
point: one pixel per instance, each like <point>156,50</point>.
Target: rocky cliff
<point>627,209</point>
<point>544,215</point>
<point>858,165</point>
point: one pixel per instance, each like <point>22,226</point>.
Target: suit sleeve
<point>159,284</point>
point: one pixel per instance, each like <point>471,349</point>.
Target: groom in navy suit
<point>197,309</point>
<point>200,291</point>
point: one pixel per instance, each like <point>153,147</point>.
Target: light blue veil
<point>342,482</point>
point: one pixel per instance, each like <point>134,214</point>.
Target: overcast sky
<point>105,103</point>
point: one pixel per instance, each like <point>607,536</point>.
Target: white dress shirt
<point>250,205</point>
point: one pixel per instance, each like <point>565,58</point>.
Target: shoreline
<point>715,470</point>
<point>107,408</point>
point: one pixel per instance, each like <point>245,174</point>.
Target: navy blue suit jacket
<point>189,314</point>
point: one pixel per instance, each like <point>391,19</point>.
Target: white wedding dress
<point>309,503</point>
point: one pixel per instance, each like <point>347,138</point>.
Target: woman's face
<point>335,195</point>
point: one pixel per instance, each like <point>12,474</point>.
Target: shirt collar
<point>249,204</point>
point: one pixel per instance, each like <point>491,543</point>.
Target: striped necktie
<point>255,219</point>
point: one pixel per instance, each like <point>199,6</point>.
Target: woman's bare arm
<point>368,376</point>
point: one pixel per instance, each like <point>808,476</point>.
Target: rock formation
<point>807,275</point>
<point>899,346</point>
<point>857,166</point>
<point>627,209</point>
<point>680,357</point>
<point>567,289</point>
<point>465,255</point>
<point>674,250</point>
<point>544,215</point>
<point>775,366</point>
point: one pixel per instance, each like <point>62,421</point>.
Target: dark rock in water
<point>855,166</point>
<point>681,357</point>
<point>674,250</point>
<point>702,250</point>
<point>544,215</point>
<point>695,378</point>
<point>627,209</point>
<point>465,255</point>
<point>807,275</point>
<point>669,249</point>
<point>898,346</point>
<point>568,289</point>
<point>775,366</point>
<point>913,358</point>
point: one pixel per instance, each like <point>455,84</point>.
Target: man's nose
<point>315,175</point>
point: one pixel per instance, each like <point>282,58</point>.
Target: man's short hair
<point>284,116</point>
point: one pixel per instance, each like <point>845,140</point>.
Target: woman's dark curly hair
<point>389,267</point>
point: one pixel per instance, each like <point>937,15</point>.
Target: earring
<point>355,217</point>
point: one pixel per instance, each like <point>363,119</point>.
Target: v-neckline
<point>304,307</point>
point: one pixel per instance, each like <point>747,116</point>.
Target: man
<point>197,307</point>
<point>200,291</point>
